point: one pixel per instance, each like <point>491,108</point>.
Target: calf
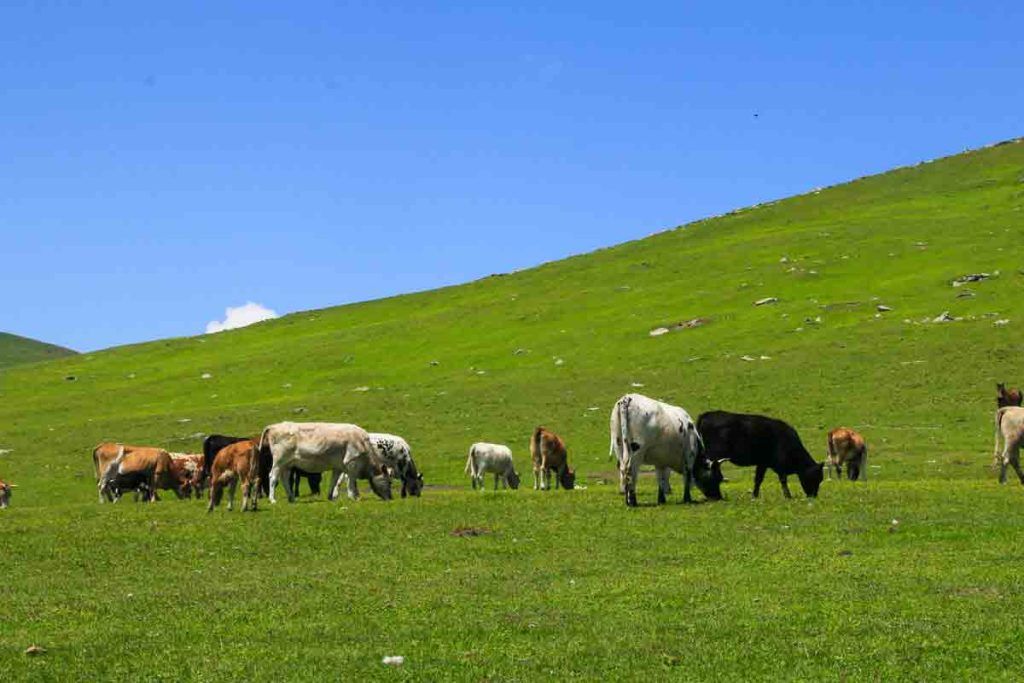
<point>646,431</point>
<point>5,494</point>
<point>492,458</point>
<point>846,446</point>
<point>193,465</point>
<point>1009,425</point>
<point>312,478</point>
<point>547,451</point>
<point>211,446</point>
<point>1007,397</point>
<point>763,442</point>
<point>234,462</point>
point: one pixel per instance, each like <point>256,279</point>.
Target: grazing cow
<point>212,445</point>
<point>493,458</point>
<point>395,452</point>
<point>142,467</point>
<point>233,463</point>
<point>847,446</point>
<point>547,451</point>
<point>1007,397</point>
<point>319,446</point>
<point>761,441</point>
<point>5,494</point>
<point>102,457</point>
<point>646,431</point>
<point>1009,425</point>
<point>192,464</point>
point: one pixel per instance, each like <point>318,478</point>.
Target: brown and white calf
<point>5,494</point>
<point>845,446</point>
<point>192,464</point>
<point>1008,397</point>
<point>236,462</point>
<point>547,450</point>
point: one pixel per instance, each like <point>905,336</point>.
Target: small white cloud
<point>240,316</point>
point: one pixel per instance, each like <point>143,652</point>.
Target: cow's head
<point>568,479</point>
<point>380,483</point>
<point>5,494</point>
<point>413,483</point>
<point>707,474</point>
<point>513,479</point>
<point>811,478</point>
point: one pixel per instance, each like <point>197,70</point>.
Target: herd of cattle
<point>643,432</point>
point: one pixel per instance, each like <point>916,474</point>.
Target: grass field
<point>15,350</point>
<point>566,584</point>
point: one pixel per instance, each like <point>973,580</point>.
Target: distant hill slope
<point>557,344</point>
<point>15,350</point>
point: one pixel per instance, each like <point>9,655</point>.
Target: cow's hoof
<point>631,499</point>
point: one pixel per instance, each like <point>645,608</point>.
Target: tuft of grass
<point>566,584</point>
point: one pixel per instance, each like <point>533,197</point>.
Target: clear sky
<point>160,162</point>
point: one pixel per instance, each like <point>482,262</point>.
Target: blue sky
<point>161,163</point>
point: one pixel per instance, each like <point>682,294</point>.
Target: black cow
<point>312,478</point>
<point>763,442</point>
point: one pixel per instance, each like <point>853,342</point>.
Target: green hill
<point>15,350</point>
<point>572,583</point>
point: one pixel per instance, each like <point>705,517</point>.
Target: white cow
<point>494,458</point>
<point>319,446</point>
<point>645,431</point>
<point>1009,425</point>
<point>395,452</point>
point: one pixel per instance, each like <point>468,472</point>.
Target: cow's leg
<point>335,487</point>
<point>785,486</point>
<point>632,473</point>
<point>1015,461</point>
<point>275,474</point>
<point>758,478</point>
<point>353,488</point>
<point>687,484</point>
<point>1004,461</point>
<point>661,473</point>
<point>536,476</point>
<point>231,493</point>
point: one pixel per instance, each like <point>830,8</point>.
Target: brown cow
<point>192,464</point>
<point>846,446</point>
<point>1008,397</point>
<point>237,461</point>
<point>5,494</point>
<point>548,453</point>
<point>121,467</point>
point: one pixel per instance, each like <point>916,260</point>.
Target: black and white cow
<point>759,441</point>
<point>646,431</point>
<point>396,454</point>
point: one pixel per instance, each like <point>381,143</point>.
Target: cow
<point>763,442</point>
<point>235,462</point>
<point>1007,397</point>
<point>137,467</point>
<point>547,451</point>
<point>845,446</point>
<point>319,446</point>
<point>211,446</point>
<point>396,454</point>
<point>192,464</point>
<point>491,458</point>
<point>102,457</point>
<point>5,493</point>
<point>312,478</point>
<point>646,431</point>
<point>1010,425</point>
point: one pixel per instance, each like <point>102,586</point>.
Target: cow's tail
<point>263,437</point>
<point>999,421</point>
<point>470,468</point>
<point>625,450</point>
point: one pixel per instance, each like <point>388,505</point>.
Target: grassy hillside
<point>568,584</point>
<point>15,350</point>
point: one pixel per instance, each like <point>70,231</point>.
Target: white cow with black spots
<point>396,454</point>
